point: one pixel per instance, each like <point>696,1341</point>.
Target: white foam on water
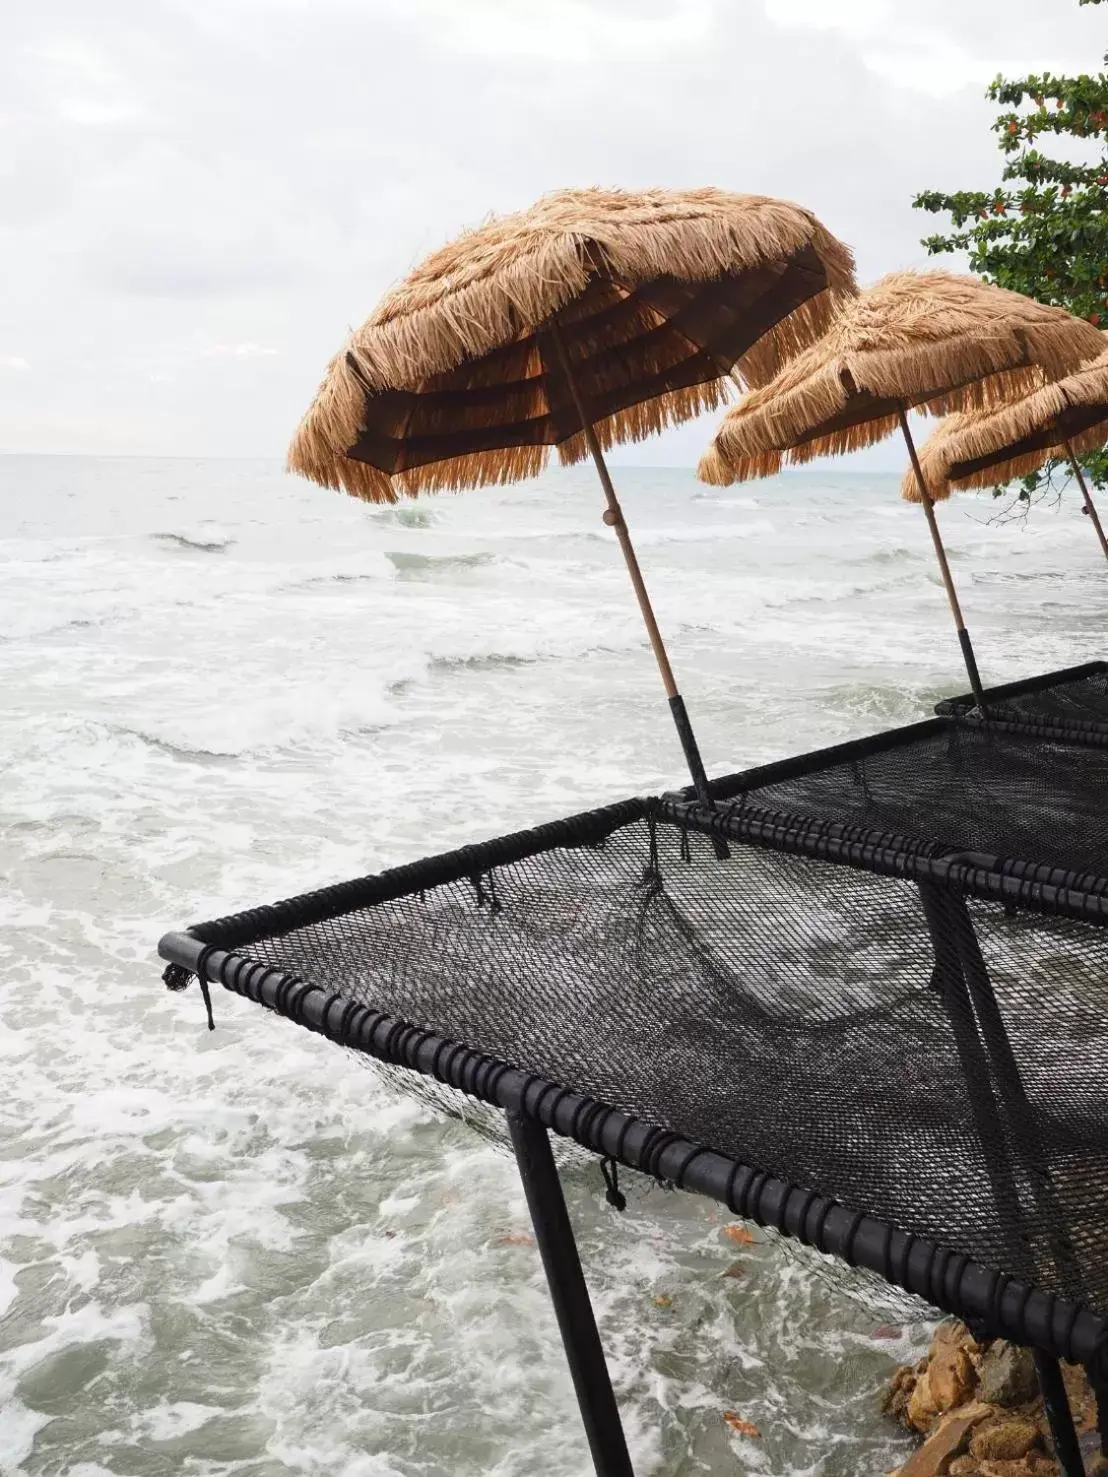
<point>242,1251</point>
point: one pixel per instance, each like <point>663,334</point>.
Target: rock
<point>1007,1375</point>
<point>894,1403</point>
<point>1042,1465</point>
<point>946,1442</point>
<point>952,1378</point>
<point>1005,1439</point>
<point>922,1410</point>
<point>1080,1395</point>
<point>951,1334</point>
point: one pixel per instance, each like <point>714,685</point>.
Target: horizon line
<point>199,456</point>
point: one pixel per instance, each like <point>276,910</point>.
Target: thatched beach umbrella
<point>594,317</point>
<point>1062,419</point>
<point>932,341</point>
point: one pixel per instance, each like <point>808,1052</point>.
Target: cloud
<point>189,181</point>
<point>15,363</point>
<point>946,46</point>
<point>238,351</point>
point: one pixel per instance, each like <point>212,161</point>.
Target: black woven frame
<point>1013,1303</point>
<point>1035,885</point>
<point>589,828</point>
<point>1090,732</point>
<point>944,1278</point>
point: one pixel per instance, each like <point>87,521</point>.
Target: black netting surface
<point>1084,700</point>
<point>962,788</point>
<point>780,1010</point>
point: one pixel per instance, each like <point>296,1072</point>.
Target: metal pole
<point>1006,1074</point>
<point>1067,1448</point>
<point>613,517</point>
<point>570,1296</point>
<point>960,983</point>
<point>1090,506</point>
<point>964,641</point>
<point>949,983</point>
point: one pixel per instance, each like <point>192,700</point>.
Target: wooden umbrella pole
<point>613,517</point>
<point>966,644</point>
<point>1090,506</point>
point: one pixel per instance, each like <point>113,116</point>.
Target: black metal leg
<point>1066,1446</point>
<point>1006,1074</point>
<point>949,982</point>
<point>570,1296</point>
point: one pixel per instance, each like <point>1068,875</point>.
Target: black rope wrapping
<point>954,1274</point>
<point>751,1196</point>
<point>729,1195</point>
<point>887,1255</point>
<point>584,1118</point>
<point>848,1250</point>
<point>678,1175</point>
<point>936,1283</point>
<point>810,1198</point>
<point>779,1221</point>
<point>1020,1315</point>
<point>816,1236</point>
<point>621,1138</point>
<point>1001,1283</point>
<point>657,1142</point>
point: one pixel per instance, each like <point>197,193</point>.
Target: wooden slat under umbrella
<point>932,341</point>
<point>595,317</point>
<point>1063,419</point>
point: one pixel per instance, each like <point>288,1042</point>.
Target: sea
<point>244,1253</point>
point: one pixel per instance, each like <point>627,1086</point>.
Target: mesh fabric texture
<point>792,1014</point>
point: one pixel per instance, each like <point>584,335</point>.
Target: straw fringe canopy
<point>456,379</point>
<point>1014,441</point>
<point>935,341</point>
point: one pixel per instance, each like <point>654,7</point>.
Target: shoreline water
<point>225,687</point>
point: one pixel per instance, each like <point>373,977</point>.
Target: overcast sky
<point>198,198</point>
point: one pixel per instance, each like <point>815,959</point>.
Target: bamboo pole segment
<point>613,517</point>
<point>944,565</point>
<point>1090,506</point>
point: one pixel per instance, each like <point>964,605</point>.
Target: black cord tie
<point>609,1168</point>
<point>652,874</point>
<point>484,889</point>
<point>494,900</point>
<point>202,976</point>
